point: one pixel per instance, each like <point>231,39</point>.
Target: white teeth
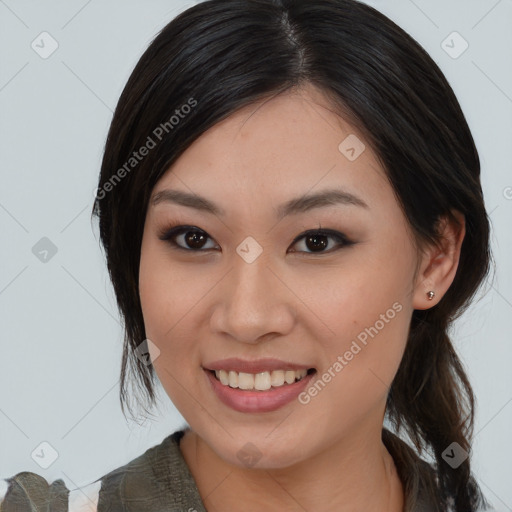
<point>245,380</point>
<point>233,379</point>
<point>277,378</point>
<point>259,381</point>
<point>223,377</point>
<point>262,381</point>
<point>289,377</point>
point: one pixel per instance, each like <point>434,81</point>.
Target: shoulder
<point>158,480</point>
<point>30,491</point>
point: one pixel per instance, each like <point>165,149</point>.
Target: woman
<point>291,211</point>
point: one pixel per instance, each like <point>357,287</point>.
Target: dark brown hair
<point>221,55</point>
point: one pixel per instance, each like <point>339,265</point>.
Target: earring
<point>431,295</point>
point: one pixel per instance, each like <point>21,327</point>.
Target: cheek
<point>368,322</point>
<point>165,301</point>
<point>169,299</point>
<point>167,291</point>
<point>362,311</point>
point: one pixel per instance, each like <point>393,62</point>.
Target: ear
<point>439,262</point>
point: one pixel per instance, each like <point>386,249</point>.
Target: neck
<point>357,474</point>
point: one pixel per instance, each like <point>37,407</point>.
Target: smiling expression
<point>294,250</point>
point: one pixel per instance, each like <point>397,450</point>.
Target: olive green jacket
<point>159,480</point>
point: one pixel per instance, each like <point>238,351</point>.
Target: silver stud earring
<point>431,295</point>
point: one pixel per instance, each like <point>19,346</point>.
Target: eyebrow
<point>294,206</point>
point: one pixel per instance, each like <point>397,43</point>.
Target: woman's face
<point>249,287</point>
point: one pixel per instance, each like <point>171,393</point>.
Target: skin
<point>304,307</point>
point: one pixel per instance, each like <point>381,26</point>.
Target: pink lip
<point>258,401</point>
<point>257,366</point>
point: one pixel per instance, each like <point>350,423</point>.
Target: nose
<point>253,303</point>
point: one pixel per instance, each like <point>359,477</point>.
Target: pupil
<point>314,242</point>
<point>192,239</point>
<point>321,240</point>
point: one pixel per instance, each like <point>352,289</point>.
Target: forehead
<point>288,145</point>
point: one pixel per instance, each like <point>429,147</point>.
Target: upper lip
<point>256,366</point>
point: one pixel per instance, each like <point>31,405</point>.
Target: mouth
<point>258,389</point>
<point>257,385</point>
<point>261,381</point>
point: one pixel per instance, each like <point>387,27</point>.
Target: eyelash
<point>169,235</point>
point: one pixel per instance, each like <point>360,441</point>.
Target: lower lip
<point>258,401</point>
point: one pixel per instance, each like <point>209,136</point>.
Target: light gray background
<point>60,333</point>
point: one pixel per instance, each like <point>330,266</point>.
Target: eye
<point>193,239</point>
<point>187,238</point>
<point>317,241</point>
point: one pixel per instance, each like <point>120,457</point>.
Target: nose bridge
<point>250,281</point>
<point>253,303</point>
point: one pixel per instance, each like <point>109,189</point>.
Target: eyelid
<point>167,232</point>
